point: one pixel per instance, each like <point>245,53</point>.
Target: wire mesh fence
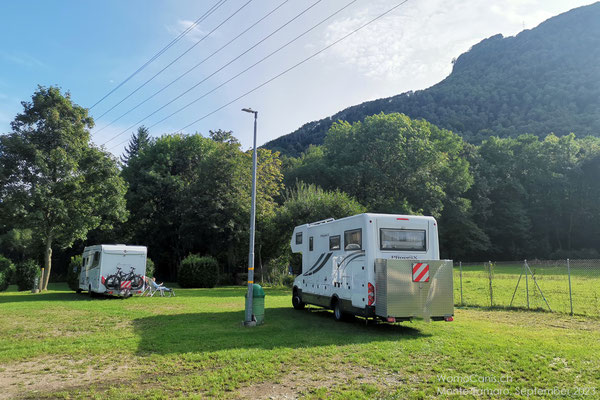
<point>565,286</point>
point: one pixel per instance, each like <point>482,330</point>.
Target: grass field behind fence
<point>62,345</point>
<point>552,279</point>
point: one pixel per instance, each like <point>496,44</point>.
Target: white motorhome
<point>113,269</point>
<point>374,265</point>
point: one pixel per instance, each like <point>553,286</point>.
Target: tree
<point>53,180</point>
<point>191,194</point>
<point>139,141</point>
<point>305,203</point>
<point>222,136</point>
<point>391,164</point>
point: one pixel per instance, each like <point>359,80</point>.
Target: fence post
<point>490,279</point>
<point>570,292</point>
<point>526,283</point>
<point>461,292</point>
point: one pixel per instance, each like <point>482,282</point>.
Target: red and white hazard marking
<point>420,272</point>
<point>126,285</point>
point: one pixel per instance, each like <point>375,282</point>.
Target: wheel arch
<point>334,299</point>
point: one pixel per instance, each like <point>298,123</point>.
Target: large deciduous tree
<point>53,180</point>
<point>392,164</point>
<point>189,194</point>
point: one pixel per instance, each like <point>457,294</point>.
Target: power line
<point>231,61</point>
<point>194,67</point>
<point>167,47</point>
<point>253,65</point>
<point>175,60</point>
<point>295,65</point>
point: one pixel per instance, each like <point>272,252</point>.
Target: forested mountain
<point>544,80</point>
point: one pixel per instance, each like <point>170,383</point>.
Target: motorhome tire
<point>91,293</point>
<point>297,301</point>
<point>78,291</point>
<point>338,314</point>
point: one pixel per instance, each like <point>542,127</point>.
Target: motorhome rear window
<point>353,239</point>
<point>310,243</point>
<point>402,239</point>
<point>299,238</point>
<point>334,242</point>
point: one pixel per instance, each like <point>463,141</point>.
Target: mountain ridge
<point>543,80</point>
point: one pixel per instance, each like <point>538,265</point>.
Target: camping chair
<point>155,287</point>
<point>145,288</point>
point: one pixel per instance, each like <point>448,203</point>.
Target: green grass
<point>63,345</point>
<point>552,280</point>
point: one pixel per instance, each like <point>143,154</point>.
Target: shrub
<point>73,272</point>
<point>7,269</point>
<point>198,272</point>
<point>288,280</point>
<point>26,273</point>
<point>149,268</point>
<point>3,281</point>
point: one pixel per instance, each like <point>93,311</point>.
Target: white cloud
<point>418,40</point>
<point>194,34</point>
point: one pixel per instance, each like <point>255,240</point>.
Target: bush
<point>3,280</point>
<point>288,280</point>
<point>149,268</point>
<point>198,272</point>
<point>26,273</point>
<point>73,272</point>
<point>7,269</point>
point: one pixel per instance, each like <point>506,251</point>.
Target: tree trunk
<point>47,263</point>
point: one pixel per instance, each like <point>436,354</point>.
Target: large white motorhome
<point>113,269</point>
<point>374,265</point>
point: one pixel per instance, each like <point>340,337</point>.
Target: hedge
<point>26,273</point>
<point>73,272</point>
<point>198,272</point>
<point>7,269</point>
<point>149,268</point>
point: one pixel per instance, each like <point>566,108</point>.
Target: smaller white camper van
<point>374,265</point>
<point>113,269</point>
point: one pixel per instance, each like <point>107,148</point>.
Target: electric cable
<point>160,52</point>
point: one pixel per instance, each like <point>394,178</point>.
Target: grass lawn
<point>552,280</point>
<point>63,345</point>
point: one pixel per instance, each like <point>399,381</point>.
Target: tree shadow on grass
<point>220,292</point>
<point>228,291</point>
<point>284,327</point>
<point>46,296</point>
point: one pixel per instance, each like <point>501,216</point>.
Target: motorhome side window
<point>96,260</point>
<point>334,242</point>
<point>299,238</point>
<point>310,243</point>
<point>353,239</point>
<point>402,239</point>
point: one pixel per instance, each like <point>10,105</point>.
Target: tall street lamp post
<point>249,320</point>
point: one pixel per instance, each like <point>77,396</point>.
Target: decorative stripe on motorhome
<point>315,264</point>
<point>320,266</point>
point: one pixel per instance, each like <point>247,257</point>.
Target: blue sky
<point>88,47</point>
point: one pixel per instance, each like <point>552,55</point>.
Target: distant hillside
<point>543,80</point>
